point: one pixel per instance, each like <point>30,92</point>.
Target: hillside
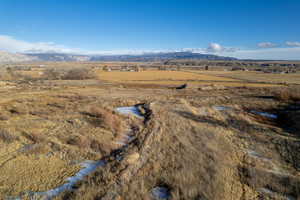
<point>6,57</point>
<point>160,57</point>
<point>59,57</point>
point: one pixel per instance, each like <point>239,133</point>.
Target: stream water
<point>129,110</point>
<point>221,108</point>
<point>88,167</point>
<point>264,114</point>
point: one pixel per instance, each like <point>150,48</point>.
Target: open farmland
<point>176,78</point>
<point>252,76</point>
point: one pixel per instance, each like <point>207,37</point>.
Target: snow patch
<point>264,114</point>
<point>160,193</point>
<point>129,110</point>
<point>221,108</point>
<point>88,168</point>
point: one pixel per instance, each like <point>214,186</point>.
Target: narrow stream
<point>88,166</point>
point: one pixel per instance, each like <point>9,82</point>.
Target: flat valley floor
<point>209,141</point>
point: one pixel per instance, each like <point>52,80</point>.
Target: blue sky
<point>264,29</point>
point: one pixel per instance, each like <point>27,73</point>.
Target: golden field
<point>176,78</point>
<point>252,76</point>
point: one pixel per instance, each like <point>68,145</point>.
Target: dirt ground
<point>196,143</point>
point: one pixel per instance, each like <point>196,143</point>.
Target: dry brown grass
<point>53,74</point>
<point>183,146</point>
<point>68,74</point>
<point>174,78</point>
<point>78,141</point>
<point>34,137</point>
<point>79,74</point>
<point>36,149</point>
<point>13,74</point>
<point>107,119</point>
<point>158,75</point>
<point>97,146</point>
<point>196,153</point>
<point>7,137</point>
<point>253,76</point>
<point>288,94</point>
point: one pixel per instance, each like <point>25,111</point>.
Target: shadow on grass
<point>282,184</point>
<point>238,124</point>
<point>287,147</point>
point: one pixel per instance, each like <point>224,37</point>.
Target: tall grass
<point>288,94</point>
<point>107,119</point>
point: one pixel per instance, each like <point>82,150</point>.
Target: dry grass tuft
<point>99,147</point>
<point>7,137</point>
<point>78,141</point>
<point>3,117</point>
<point>35,138</point>
<point>18,110</point>
<point>107,119</point>
<point>35,149</point>
<point>288,94</point>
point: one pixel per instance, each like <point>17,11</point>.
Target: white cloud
<point>292,53</point>
<point>266,45</point>
<point>11,44</point>
<point>293,44</point>
<point>215,47</point>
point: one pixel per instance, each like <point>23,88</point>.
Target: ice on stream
<point>160,193</point>
<point>221,108</point>
<point>129,110</point>
<point>264,114</point>
<point>88,168</point>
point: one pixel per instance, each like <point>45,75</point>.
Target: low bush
<point>68,74</point>
<point>79,74</point>
<point>53,74</point>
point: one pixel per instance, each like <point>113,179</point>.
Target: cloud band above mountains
<point>267,50</point>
